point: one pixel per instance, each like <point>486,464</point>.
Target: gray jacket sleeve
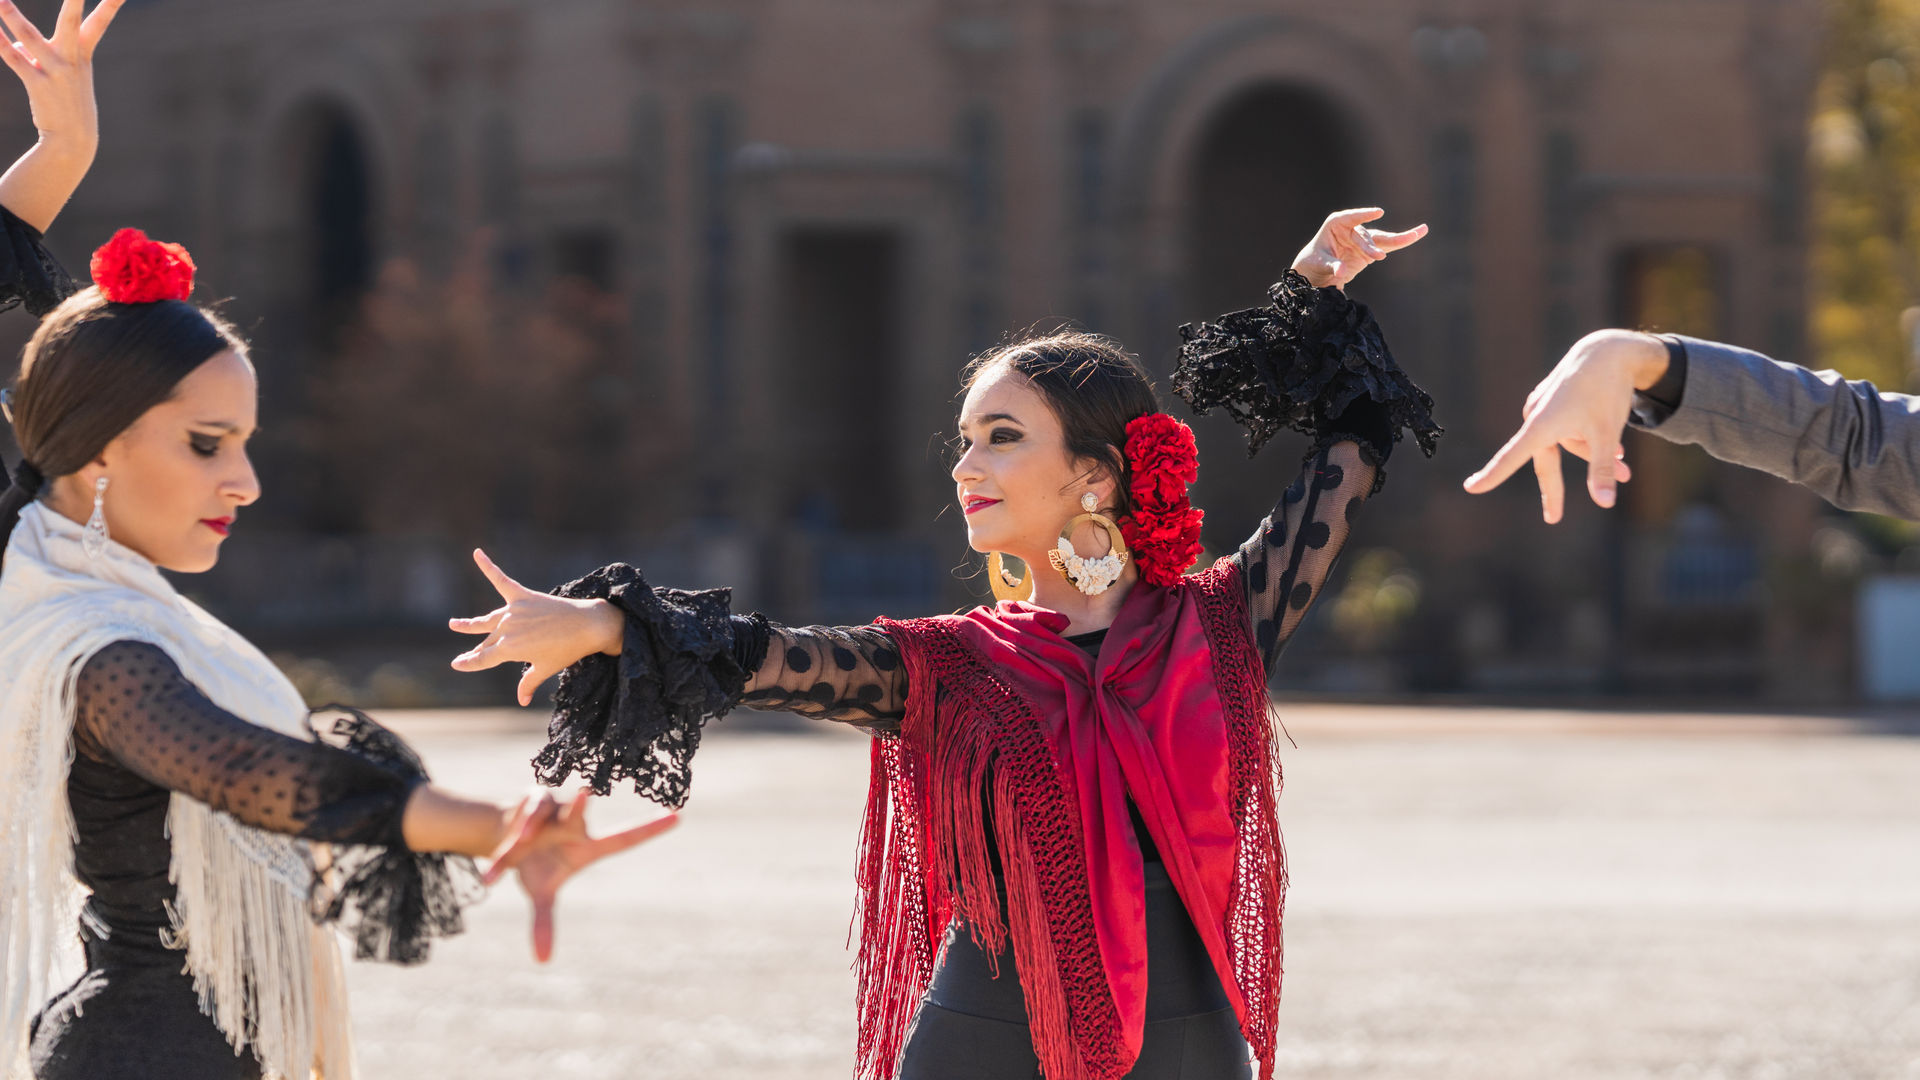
<point>1853,445</point>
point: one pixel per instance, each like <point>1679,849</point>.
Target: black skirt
<point>972,1026</point>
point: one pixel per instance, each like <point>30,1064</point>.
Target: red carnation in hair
<point>131,269</point>
<point>1164,529</point>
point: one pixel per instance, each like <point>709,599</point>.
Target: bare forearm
<point>438,820</point>
<point>45,177</point>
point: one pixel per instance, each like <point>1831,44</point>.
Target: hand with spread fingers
<point>1580,407</point>
<point>57,72</point>
<point>547,843</point>
<point>547,633</point>
<point>1344,246</point>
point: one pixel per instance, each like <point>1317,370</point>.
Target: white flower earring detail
<point>93,538</point>
<point>1091,576</point>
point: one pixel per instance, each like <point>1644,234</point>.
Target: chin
<point>192,562</point>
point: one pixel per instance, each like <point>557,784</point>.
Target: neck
<point>67,503</point>
<point>1085,614</point>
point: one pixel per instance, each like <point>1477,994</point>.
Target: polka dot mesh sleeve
<point>852,675</point>
<point>135,708</point>
<point>1289,557</point>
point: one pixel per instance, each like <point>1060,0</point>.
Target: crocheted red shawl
<point>1008,721</point>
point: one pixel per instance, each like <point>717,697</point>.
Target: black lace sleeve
<point>1287,560</point>
<point>1301,362</point>
<point>638,716</point>
<point>849,674</point>
<point>135,708</point>
<point>686,659</point>
<point>1316,362</point>
<point>29,274</point>
<point>391,901</point>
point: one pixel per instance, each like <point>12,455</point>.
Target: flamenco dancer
<point>1071,863</point>
<point>148,753</point>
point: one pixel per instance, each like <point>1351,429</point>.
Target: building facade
<point>794,220</point>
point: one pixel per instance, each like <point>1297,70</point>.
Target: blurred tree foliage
<point>1866,163</point>
<point>457,406</point>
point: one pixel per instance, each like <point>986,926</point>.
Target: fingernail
<point>1606,497</point>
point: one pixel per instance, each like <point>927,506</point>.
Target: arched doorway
<point>1267,167</point>
<point>336,218</point>
<point>323,263</point>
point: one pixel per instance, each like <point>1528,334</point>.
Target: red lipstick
<point>975,503</point>
<point>220,525</point>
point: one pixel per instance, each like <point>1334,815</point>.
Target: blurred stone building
<point>789,223</point>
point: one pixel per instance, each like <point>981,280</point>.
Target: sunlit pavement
<point>1483,895</point>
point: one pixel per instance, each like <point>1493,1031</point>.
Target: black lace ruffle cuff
<point>29,274</point>
<point>638,716</point>
<point>1312,360</point>
<point>391,901</point>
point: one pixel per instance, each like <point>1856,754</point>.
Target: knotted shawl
<point>1010,727</point>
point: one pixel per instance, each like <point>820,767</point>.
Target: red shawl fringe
<point>925,857</point>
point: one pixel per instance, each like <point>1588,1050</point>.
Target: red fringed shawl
<point>1007,720</point>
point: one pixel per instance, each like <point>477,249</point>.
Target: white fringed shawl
<point>266,974</point>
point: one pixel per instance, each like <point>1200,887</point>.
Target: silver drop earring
<point>93,539</point>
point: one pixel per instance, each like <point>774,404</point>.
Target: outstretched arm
<point>58,75</point>
<point>848,674</point>
<point>134,707</point>
<point>1854,446</point>
<point>1316,362</point>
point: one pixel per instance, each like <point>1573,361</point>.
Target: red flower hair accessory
<point>1164,529</point>
<point>131,269</point>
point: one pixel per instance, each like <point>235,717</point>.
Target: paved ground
<point>1480,896</point>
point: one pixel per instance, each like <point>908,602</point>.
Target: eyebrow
<point>226,427</point>
<point>991,417</point>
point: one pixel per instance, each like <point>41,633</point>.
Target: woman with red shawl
<point>1071,864</point>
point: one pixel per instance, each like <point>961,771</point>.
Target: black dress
<point>142,732</point>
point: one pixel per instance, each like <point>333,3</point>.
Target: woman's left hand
<point>1344,246</point>
<point>549,844</point>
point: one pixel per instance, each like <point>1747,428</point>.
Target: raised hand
<point>57,72</point>
<point>1580,407</point>
<point>1344,246</point>
<point>547,633</point>
<point>548,844</point>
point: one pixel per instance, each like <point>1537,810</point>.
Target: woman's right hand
<point>547,633</point>
<point>58,71</point>
<point>58,75</point>
<point>547,843</point>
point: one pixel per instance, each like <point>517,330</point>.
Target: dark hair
<point>91,370</point>
<point>1093,385</point>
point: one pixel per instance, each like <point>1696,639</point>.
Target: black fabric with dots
<point>136,710</point>
<point>848,674</point>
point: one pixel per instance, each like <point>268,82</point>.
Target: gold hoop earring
<point>1003,584</point>
<point>1096,575</point>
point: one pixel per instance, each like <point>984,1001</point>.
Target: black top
<point>142,731</point>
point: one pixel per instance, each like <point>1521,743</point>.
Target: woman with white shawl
<point>162,789</point>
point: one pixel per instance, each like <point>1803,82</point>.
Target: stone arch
<point>341,95</point>
<point>1165,122</point>
<point>1235,99</point>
